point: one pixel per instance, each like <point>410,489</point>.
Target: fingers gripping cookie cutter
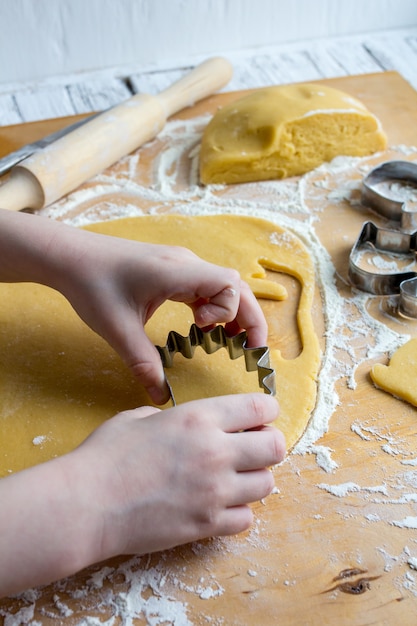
<point>398,241</point>
<point>213,340</point>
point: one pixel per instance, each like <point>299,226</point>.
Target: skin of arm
<point>145,480</point>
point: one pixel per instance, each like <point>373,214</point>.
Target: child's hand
<point>170,477</point>
<point>116,286</point>
<point>144,481</point>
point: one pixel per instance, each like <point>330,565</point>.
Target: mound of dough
<point>399,377</point>
<point>285,131</point>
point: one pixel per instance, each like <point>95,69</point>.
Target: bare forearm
<point>25,242</point>
<point>47,526</point>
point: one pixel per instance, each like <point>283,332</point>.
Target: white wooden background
<point>62,57</point>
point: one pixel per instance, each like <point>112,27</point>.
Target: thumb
<point>146,365</point>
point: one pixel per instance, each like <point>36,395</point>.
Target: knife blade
<point>13,158</point>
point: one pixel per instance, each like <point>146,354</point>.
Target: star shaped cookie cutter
<point>399,241</point>
<point>211,341</point>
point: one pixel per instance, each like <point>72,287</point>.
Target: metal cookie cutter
<point>213,340</point>
<point>380,192</point>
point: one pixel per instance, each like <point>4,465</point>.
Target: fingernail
<point>229,291</point>
<point>159,395</point>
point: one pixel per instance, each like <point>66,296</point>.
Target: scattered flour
<point>323,458</point>
<point>345,488</point>
<point>149,592</point>
<point>407,522</point>
<point>39,440</point>
<point>357,429</point>
<point>412,562</point>
<point>410,462</point>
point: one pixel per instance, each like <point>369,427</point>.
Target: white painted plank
<point>98,95</point>
<point>395,53</point>
<point>245,76</point>
<point>312,62</point>
<point>295,66</point>
<point>41,104</point>
<point>9,113</point>
<point>155,82</point>
<point>353,57</point>
<point>304,61</point>
<point>327,65</point>
<point>265,70</point>
<point>412,42</point>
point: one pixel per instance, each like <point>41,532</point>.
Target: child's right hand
<point>144,481</point>
<point>170,477</point>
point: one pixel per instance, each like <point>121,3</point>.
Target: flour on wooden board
<point>150,591</point>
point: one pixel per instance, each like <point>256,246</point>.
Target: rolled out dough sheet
<point>59,380</point>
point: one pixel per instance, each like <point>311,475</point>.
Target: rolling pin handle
<point>21,191</point>
<point>202,81</point>
<point>60,168</point>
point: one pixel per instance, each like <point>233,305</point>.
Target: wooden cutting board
<point>324,549</point>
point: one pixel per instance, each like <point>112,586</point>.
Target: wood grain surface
<point>312,557</point>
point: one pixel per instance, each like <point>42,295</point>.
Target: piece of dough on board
<point>285,131</point>
<point>400,375</point>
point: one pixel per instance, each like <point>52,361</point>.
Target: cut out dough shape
<point>59,380</point>
<point>400,376</point>
<point>286,131</point>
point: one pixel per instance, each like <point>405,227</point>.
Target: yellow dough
<point>59,380</point>
<point>285,131</point>
<point>400,376</point>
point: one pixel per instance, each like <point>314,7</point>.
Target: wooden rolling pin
<point>60,168</point>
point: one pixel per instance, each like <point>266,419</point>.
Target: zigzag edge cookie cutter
<point>211,341</point>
